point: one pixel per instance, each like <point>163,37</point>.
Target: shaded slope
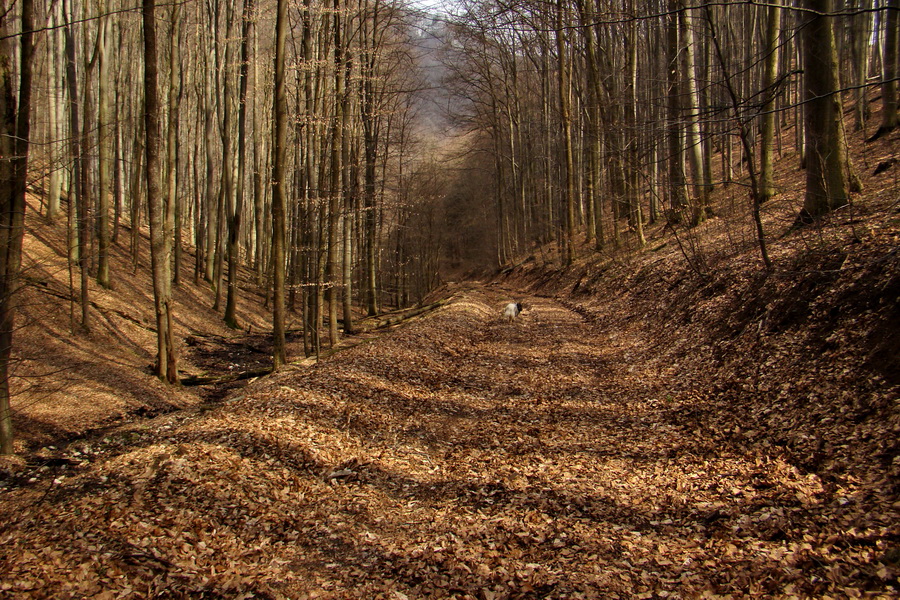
<point>459,456</point>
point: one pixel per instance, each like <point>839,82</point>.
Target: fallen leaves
<point>458,457</point>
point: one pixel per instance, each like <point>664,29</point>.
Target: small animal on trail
<point>512,311</point>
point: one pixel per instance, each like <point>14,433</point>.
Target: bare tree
<point>565,100</point>
<point>236,214</point>
<point>770,78</point>
<point>104,129</point>
<point>827,169</point>
<point>15,132</point>
<point>278,187</point>
<point>160,242</point>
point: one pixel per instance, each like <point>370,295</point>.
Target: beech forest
<point>472,299</point>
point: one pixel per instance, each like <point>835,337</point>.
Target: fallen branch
<point>375,323</point>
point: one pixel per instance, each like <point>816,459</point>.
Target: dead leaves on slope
<point>459,457</point>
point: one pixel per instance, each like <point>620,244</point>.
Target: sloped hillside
<point>68,380</point>
<point>803,361</point>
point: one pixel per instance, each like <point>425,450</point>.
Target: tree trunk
<point>174,141</point>
<point>15,130</point>
<point>79,162</point>
<point>104,127</point>
<point>278,187</point>
<point>826,162</point>
<point>211,193</point>
<point>118,172</point>
<point>859,40</point>
<point>227,191</point>
<point>677,191</point>
<point>348,204</point>
<point>635,212</point>
<point>160,246</point>
<point>234,223</point>
<point>335,194</point>
<point>889,78</point>
<point>259,154</point>
<point>565,99</point>
<point>136,186</point>
<point>700,205</point>
<point>370,119</point>
<point>55,116</point>
<point>767,142</point>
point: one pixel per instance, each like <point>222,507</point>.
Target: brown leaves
<point>458,457</point>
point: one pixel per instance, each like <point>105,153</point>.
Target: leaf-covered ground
<point>458,456</point>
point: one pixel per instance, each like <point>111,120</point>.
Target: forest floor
<point>456,456</point>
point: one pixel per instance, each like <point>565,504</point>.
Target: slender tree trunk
<point>279,183</point>
<point>104,127</point>
<point>89,105</point>
<point>211,195</point>
<point>55,116</point>
<point>700,206</point>
<point>259,154</point>
<point>635,212</point>
<point>118,173</point>
<point>160,247</point>
<point>348,204</point>
<point>227,191</point>
<point>137,194</point>
<point>369,118</point>
<point>335,194</point>
<point>174,141</point>
<point>565,99</point>
<point>234,224</point>
<point>593,117</point>
<point>860,35</point>
<point>15,130</point>
<point>79,161</point>
<point>767,141</point>
<point>677,191</point>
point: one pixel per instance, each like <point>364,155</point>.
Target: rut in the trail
<point>457,457</point>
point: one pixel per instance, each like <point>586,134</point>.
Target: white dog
<point>512,310</point>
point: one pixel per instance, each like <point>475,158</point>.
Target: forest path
<point>458,456</point>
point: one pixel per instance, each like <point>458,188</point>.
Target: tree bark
<point>234,222</point>
<point>160,246</point>
<point>15,130</point>
<point>767,141</point>
<point>104,126</point>
<point>565,100</point>
<point>826,162</point>
<point>891,51</point>
<point>79,176</point>
<point>278,188</point>
<point>174,141</point>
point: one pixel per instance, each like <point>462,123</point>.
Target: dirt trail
<point>458,456</point>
